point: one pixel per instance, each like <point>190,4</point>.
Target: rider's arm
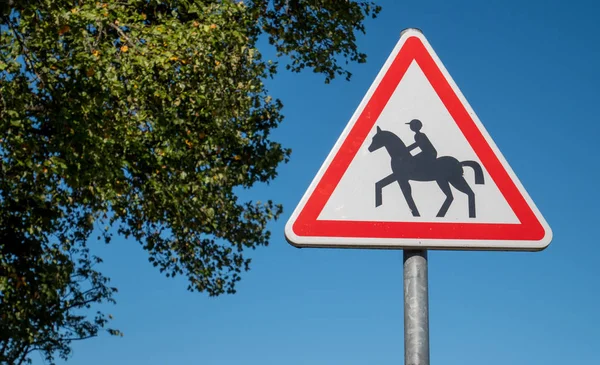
<point>418,139</point>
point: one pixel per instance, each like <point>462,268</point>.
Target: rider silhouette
<point>428,153</point>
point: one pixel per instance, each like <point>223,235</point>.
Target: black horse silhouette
<point>445,170</point>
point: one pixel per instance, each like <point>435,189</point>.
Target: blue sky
<point>529,70</point>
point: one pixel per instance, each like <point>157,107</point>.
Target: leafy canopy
<point>141,117</point>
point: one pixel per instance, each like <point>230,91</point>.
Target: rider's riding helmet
<point>415,125</point>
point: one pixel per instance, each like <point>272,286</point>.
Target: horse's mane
<point>389,134</point>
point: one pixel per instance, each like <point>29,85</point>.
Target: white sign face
<point>415,168</point>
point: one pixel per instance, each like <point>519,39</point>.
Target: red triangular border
<point>307,224</point>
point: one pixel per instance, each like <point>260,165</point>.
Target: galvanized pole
<point>416,308</point>
<point>416,303</point>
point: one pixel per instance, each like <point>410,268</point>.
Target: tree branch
<point>79,339</point>
<point>26,351</point>
<point>25,50</point>
<point>4,346</point>
<point>122,34</point>
<point>35,108</point>
<point>79,304</point>
<point>3,109</point>
<point>100,29</point>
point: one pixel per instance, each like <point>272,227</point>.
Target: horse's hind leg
<point>443,184</point>
<point>461,184</point>
<point>407,191</point>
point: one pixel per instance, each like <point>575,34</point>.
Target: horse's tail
<point>477,168</point>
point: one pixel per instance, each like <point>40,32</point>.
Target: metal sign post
<point>416,305</point>
<point>416,308</point>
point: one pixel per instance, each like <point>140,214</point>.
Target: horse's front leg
<point>379,188</point>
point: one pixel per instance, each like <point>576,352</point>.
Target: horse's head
<point>378,140</point>
<point>394,145</point>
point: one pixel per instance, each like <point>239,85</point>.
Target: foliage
<point>141,117</point>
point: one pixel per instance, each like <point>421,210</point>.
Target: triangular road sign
<point>415,168</point>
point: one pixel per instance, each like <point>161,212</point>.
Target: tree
<point>141,117</point>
